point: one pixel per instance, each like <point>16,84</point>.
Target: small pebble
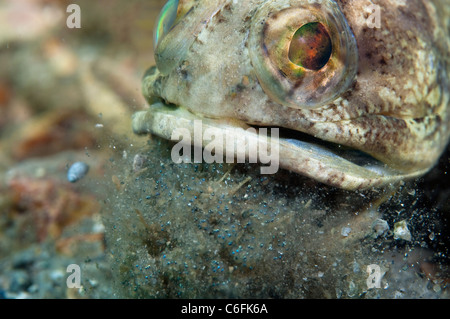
<point>139,162</point>
<point>401,231</point>
<point>345,231</point>
<point>77,171</point>
<point>380,227</point>
<point>437,288</point>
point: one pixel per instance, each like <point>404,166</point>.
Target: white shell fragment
<point>77,171</point>
<point>401,231</point>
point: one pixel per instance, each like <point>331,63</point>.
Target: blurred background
<point>66,95</point>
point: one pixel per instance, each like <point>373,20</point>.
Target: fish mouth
<point>329,163</point>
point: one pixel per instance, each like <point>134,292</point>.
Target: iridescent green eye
<point>166,21</point>
<point>311,46</point>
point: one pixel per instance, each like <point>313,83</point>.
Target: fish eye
<point>165,21</point>
<point>304,53</point>
<point>311,46</point>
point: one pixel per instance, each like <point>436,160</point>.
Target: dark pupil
<point>311,46</point>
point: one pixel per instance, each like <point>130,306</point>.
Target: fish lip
<point>332,164</point>
<point>297,137</point>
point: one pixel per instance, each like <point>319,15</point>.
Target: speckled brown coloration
<point>396,109</point>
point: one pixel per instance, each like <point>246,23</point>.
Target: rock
<point>401,231</point>
<point>381,227</point>
<point>346,231</point>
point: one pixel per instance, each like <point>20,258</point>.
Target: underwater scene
<point>193,149</point>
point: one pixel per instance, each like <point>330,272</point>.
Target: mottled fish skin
<point>396,108</point>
